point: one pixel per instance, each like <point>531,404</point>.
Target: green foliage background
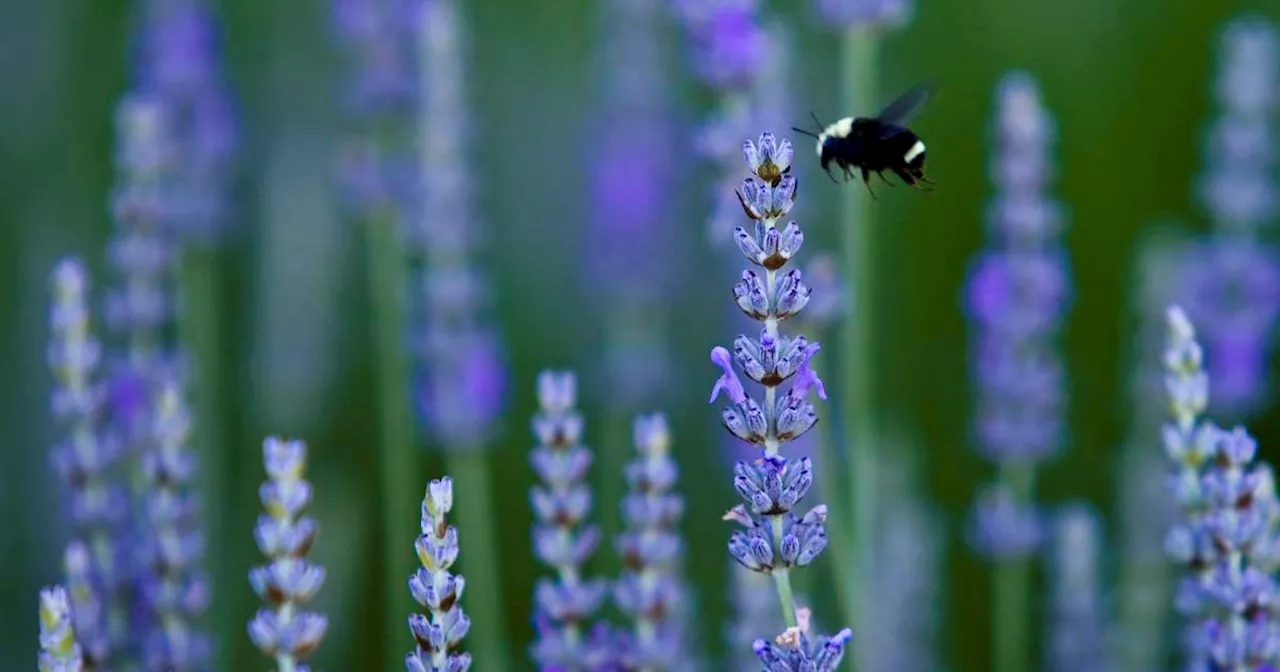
<point>1128,82</point>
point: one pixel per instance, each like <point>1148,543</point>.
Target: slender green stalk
<point>397,459</point>
<point>1011,590</point>
<point>200,329</point>
<point>476,523</point>
<point>615,451</point>
<point>859,84</point>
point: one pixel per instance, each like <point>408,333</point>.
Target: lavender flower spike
<point>286,632</point>
<point>561,502</point>
<point>59,651</point>
<point>85,460</point>
<point>774,539</point>
<point>649,591</point>
<point>797,649</point>
<point>1227,538</point>
<point>173,588</point>
<point>1076,626</point>
<point>435,588</point>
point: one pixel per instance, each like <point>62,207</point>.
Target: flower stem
<point>1011,586</point>
<point>476,523</point>
<point>782,578</point>
<point>200,328</point>
<point>859,58</point>
<point>397,461</point>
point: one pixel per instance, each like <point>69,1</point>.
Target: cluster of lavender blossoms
<point>1075,620</point>
<point>285,631</point>
<point>1226,539</point>
<point>857,13</point>
<point>1018,292</point>
<point>86,460</point>
<point>648,590</point>
<point>173,589</point>
<point>461,374</point>
<point>436,588</point>
<point>567,603</point>
<point>1234,276</point>
<point>59,651</point>
<point>774,539</point>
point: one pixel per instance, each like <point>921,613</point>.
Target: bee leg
<point>866,179</point>
<point>883,178</point>
<point>830,175</point>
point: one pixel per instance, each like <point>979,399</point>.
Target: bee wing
<point>902,109</point>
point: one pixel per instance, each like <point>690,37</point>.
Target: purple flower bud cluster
<point>648,591</point>
<point>59,651</point>
<point>182,65</point>
<point>1234,277</point>
<point>88,461</point>
<point>865,13</point>
<point>173,590</point>
<point>797,649</point>
<point>286,631</point>
<point>726,40</point>
<point>774,538</point>
<point>439,634</point>
<point>1076,623</point>
<point>565,604</point>
<point>1017,295</point>
<point>461,373</point>
<point>1227,539</point>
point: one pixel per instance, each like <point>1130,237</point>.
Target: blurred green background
<point>1128,82</point>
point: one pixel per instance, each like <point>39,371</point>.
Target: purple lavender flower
<point>435,588</point>
<point>182,66</point>
<point>1226,539</point>
<point>86,460</point>
<point>859,13</point>
<point>173,589</point>
<point>773,538</point>
<point>1018,291</point>
<point>561,502</point>
<point>1076,622</point>
<point>59,651</point>
<point>648,590</point>
<point>726,40</point>
<point>461,372</point>
<point>797,649</point>
<point>1234,285</point>
<point>286,632</point>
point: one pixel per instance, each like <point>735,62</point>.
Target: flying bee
<point>876,144</point>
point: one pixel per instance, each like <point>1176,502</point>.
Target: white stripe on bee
<point>840,129</point>
<point>916,150</point>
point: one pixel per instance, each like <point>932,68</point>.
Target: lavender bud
<point>433,586</point>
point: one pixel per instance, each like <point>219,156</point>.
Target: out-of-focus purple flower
<point>1018,292</point>
<point>286,631</point>
<point>1076,622</point>
<point>89,613</point>
<point>173,591</point>
<point>433,586</point>
<point>1234,281</point>
<point>755,610</point>
<point>871,13</point>
<point>567,603</point>
<point>461,372</point>
<point>59,651</point>
<point>726,39</point>
<point>379,37</point>
<point>182,65</point>
<point>648,591</point>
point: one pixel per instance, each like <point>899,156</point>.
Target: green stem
<point>1011,588</point>
<point>476,523</point>
<point>200,328</point>
<point>859,59</point>
<point>782,578</point>
<point>397,462</point>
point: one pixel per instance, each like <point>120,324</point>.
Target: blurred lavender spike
<point>286,631</point>
<point>173,590</point>
<point>1076,622</point>
<point>1017,294</point>
<point>182,64</point>
<point>755,611</point>
<point>725,41</point>
<point>631,237</point>
<point>1234,284</point>
<point>649,590</point>
<point>566,603</point>
<point>87,460</point>
<point>460,367</point>
<point>1145,511</point>
<point>440,633</point>
<point>883,14</point>
<point>59,651</point>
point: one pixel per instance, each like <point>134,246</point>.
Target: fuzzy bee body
<point>877,144</point>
